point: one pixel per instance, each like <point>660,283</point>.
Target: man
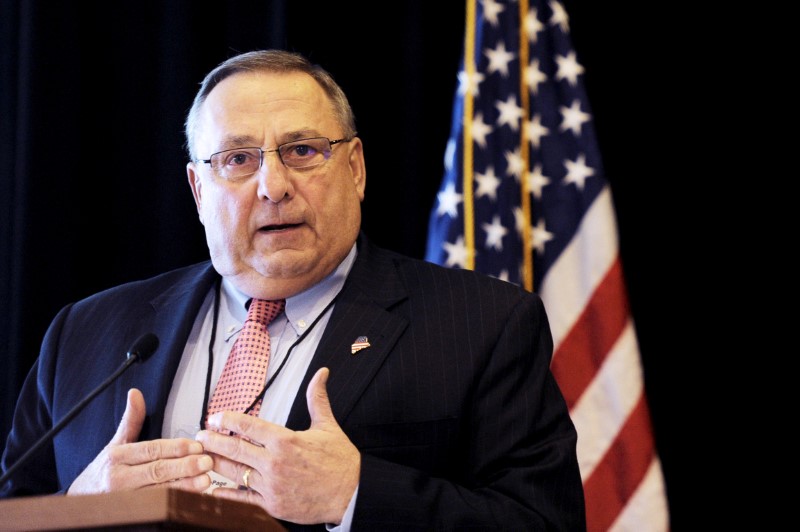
<point>398,394</point>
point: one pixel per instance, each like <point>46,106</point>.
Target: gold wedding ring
<point>246,477</point>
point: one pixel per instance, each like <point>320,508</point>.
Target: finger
<point>235,448</point>
<point>233,494</point>
<point>152,450</point>
<point>243,427</point>
<point>171,470</point>
<point>198,483</point>
<point>319,406</point>
<point>132,419</point>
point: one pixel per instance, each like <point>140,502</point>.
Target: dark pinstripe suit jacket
<point>458,418</point>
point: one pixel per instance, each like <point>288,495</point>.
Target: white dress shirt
<point>184,409</point>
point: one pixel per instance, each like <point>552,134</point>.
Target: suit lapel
<point>364,308</point>
<point>170,316</point>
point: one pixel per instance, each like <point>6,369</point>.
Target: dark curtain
<point>92,180</point>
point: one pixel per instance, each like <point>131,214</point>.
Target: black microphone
<point>140,351</point>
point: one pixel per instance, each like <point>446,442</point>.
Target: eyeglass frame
<point>277,149</point>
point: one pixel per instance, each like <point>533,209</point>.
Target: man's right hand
<point>125,464</point>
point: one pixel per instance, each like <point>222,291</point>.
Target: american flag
<point>524,199</point>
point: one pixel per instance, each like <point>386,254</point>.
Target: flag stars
<point>520,220</point>
<point>469,82</point>
<point>515,165</point>
<point>449,154</point>
<point>456,253</point>
<point>488,183</point>
<point>448,201</point>
<point>495,233</point>
<point>537,181</point>
<point>491,9</point>
<point>510,113</point>
<point>559,17</point>
<point>573,118</point>
<point>480,130</point>
<point>499,58</point>
<point>533,25</point>
<point>577,171</point>
<point>569,68</point>
<point>535,130</point>
<point>541,236</point>
<point>534,76</point>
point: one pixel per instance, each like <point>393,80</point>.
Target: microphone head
<point>143,347</point>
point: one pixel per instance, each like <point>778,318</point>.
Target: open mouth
<point>280,227</point>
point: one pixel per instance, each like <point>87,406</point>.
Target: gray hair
<point>270,61</point>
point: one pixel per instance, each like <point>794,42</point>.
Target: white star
<point>514,163</point>
<point>490,11</point>
<point>519,220</point>
<point>456,253</point>
<point>537,181</point>
<point>569,68</point>
<point>521,269</point>
<point>559,17</point>
<point>448,201</point>
<point>534,76</point>
<point>577,171</point>
<point>469,83</point>
<point>487,184</point>
<point>535,130</point>
<point>541,236</point>
<point>480,129</point>
<point>510,112</point>
<point>532,25</point>
<point>573,118</point>
<point>495,233</point>
<point>499,59</point>
<point>449,154</point>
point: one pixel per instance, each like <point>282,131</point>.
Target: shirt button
<point>301,323</point>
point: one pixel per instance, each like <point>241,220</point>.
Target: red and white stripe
<point>597,364</point>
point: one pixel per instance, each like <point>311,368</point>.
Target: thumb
<point>319,406</point>
<point>132,419</point>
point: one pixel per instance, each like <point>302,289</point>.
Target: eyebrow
<point>242,141</point>
<point>300,134</point>
<point>237,141</point>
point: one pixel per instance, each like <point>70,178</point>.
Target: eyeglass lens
<point>241,162</point>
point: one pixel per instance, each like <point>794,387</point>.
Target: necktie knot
<point>264,311</point>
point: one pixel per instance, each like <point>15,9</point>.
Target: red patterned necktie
<point>245,371</point>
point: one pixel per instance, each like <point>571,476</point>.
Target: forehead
<point>265,106</point>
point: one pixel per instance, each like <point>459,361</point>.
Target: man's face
<point>280,230</point>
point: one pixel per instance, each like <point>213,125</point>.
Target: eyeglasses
<point>243,162</point>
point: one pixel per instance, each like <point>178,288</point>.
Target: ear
<point>357,166</point>
<point>197,187</point>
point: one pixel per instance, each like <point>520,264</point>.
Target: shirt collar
<point>303,308</point>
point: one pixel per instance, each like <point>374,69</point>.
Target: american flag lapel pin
<point>361,343</point>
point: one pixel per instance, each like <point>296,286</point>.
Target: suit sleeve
<point>520,469</point>
<point>33,417</point>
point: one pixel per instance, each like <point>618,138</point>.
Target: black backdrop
<point>92,180</point>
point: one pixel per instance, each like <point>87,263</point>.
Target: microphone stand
<point>133,357</point>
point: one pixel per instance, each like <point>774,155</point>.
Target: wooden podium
<point>146,509</point>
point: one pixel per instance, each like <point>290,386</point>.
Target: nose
<point>273,179</point>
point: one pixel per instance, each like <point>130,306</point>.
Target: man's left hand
<point>298,476</point>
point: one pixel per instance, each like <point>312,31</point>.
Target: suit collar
<point>365,308</point>
<point>171,317</point>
